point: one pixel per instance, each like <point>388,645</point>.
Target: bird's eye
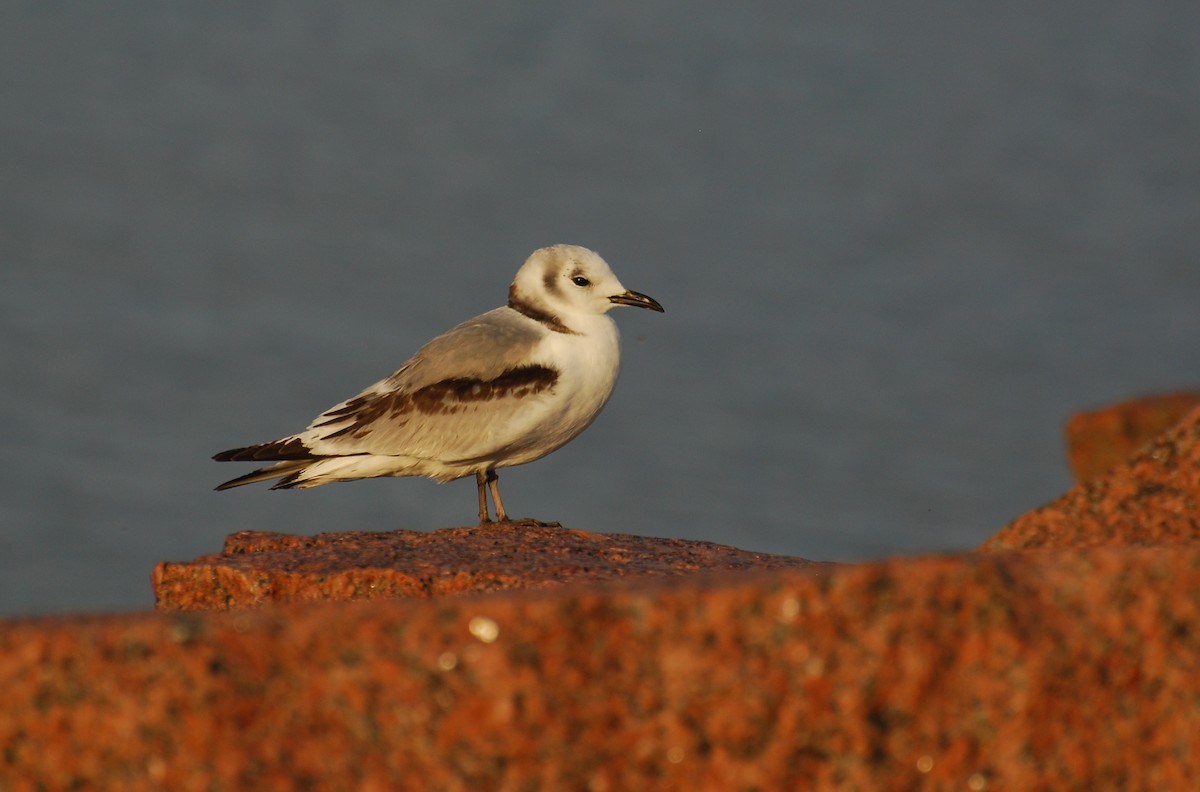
<point>581,281</point>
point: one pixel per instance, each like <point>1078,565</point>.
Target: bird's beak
<point>637,300</point>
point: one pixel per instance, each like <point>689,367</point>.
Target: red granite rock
<point>1099,440</point>
<point>993,671</point>
<point>258,567</point>
<point>1153,498</point>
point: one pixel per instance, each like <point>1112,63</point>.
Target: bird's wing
<point>465,394</point>
<point>483,347</point>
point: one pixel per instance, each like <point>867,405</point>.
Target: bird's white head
<point>565,282</point>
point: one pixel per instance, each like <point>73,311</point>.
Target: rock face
<point>1151,499</point>
<point>258,567</point>
<point>1099,440</point>
<point>1004,671</point>
<point>535,657</point>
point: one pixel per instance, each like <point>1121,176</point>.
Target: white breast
<point>588,362</point>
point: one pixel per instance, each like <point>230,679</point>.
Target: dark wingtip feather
<point>289,469</point>
<point>249,478</point>
<point>289,448</point>
<point>287,482</point>
<point>258,475</point>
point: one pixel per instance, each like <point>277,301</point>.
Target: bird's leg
<point>483,509</point>
<point>494,482</point>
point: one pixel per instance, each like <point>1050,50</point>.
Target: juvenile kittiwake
<point>502,389</point>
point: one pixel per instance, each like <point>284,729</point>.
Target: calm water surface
<point>897,247</point>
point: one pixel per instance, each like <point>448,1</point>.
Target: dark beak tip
<point>637,300</point>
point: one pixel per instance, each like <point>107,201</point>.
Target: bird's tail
<point>293,455</point>
<point>299,467</point>
<point>287,469</point>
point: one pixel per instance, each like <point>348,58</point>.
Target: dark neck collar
<point>522,306</point>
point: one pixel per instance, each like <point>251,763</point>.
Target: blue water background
<point>898,245</point>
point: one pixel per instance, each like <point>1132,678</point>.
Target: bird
<point>502,389</point>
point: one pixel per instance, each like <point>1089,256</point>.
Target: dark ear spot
<point>550,279</point>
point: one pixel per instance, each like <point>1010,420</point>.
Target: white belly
<point>588,367</point>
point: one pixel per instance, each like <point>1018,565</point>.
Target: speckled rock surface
<point>257,567</point>
<point>1099,440</point>
<point>993,671</point>
<point>1153,498</point>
